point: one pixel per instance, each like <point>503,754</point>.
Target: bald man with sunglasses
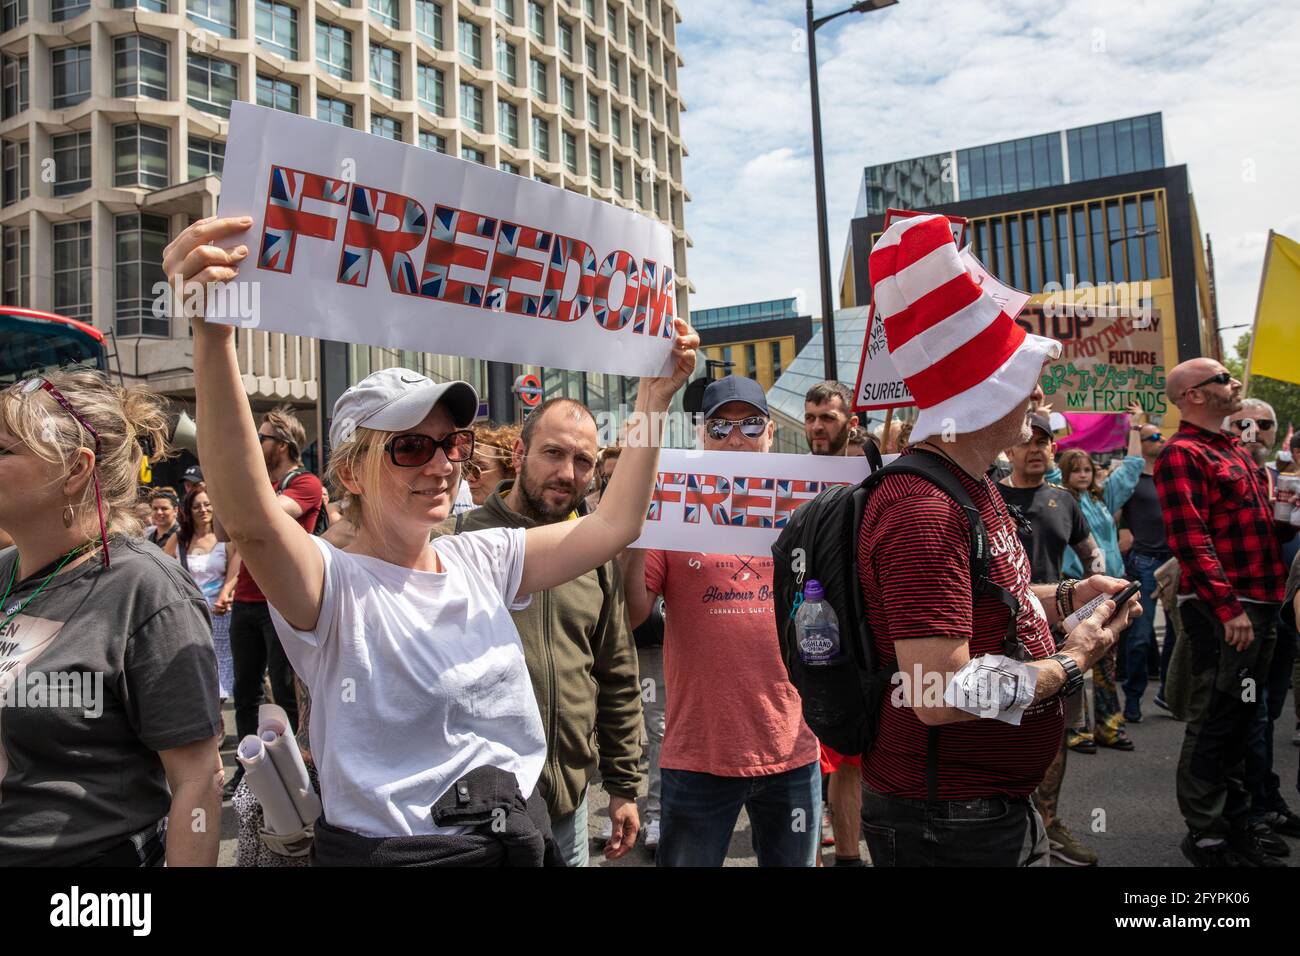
<point>1219,524</point>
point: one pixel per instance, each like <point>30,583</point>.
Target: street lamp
<point>823,250</point>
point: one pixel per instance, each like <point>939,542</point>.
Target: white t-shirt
<point>416,678</point>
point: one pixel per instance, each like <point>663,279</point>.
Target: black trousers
<point>256,649</point>
<point>986,831</point>
<point>1223,709</point>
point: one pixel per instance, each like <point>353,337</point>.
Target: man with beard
<point>577,643</point>
<point>1219,524</point>
<point>828,418</point>
<point>254,646</point>
<point>1256,425</point>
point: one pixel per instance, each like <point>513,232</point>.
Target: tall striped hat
<point>965,360</point>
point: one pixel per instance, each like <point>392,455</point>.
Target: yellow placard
<point>1276,340</point>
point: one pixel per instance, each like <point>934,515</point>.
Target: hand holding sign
<point>194,264</point>
<point>661,389</point>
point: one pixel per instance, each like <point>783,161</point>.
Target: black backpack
<point>842,700</point>
<point>322,516</point>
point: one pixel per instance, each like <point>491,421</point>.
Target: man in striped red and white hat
<point>971,370</point>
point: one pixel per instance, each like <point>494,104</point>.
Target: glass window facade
<point>215,15</point>
<point>137,268</point>
<point>277,28</point>
<point>471,43</point>
<point>1105,240</point>
<point>17,165</point>
<point>71,81</point>
<point>67,9</point>
<point>471,106</point>
<point>140,155</point>
<point>507,62</point>
<point>541,138</point>
<point>277,94</point>
<point>338,112</point>
<point>334,49</point>
<point>386,126</point>
<point>17,267</point>
<point>16,86</point>
<point>205,156</point>
<point>431,88</point>
<point>71,163</point>
<point>433,141</point>
<point>212,84</point>
<point>508,123</point>
<point>386,70</point>
<point>72,270</point>
<point>428,21</point>
<point>385,12</point>
<point>749,312</point>
<point>139,67</point>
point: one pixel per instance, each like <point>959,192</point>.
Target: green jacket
<point>583,664</point>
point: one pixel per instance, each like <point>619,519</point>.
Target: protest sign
<point>734,502</point>
<point>1109,358</point>
<point>362,239</point>
<point>879,384</point>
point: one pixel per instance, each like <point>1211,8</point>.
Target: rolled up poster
<point>273,729</point>
<point>278,809</point>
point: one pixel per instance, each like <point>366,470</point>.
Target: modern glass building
<point>1031,162</point>
<point>1050,214</point>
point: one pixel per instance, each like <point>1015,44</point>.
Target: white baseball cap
<point>395,399</point>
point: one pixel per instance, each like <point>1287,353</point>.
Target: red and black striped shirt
<point>914,567</point>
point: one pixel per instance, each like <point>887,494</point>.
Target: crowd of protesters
<point>507,651</point>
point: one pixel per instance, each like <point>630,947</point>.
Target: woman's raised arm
<point>281,556</point>
<point>559,552</point>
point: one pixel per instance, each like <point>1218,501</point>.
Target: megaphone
<point>186,434</point>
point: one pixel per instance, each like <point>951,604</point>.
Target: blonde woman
<point>110,718</point>
<point>425,730</point>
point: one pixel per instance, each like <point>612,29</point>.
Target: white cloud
<point>924,77</point>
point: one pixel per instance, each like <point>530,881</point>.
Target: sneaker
<point>1268,841</point>
<point>1160,701</point>
<point>652,835</point>
<point>1081,742</point>
<point>1251,846</point>
<point>1215,855</point>
<point>1284,822</point>
<point>1067,849</point>
<point>1133,718</point>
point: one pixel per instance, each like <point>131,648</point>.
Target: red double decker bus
<point>32,341</point>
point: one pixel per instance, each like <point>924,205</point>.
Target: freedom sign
<point>879,385</point>
<point>736,502</point>
<point>358,238</point>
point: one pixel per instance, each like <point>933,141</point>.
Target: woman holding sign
<point>426,732</point>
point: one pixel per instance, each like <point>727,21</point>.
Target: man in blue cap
<point>735,733</point>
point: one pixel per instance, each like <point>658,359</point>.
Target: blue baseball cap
<point>735,388</point>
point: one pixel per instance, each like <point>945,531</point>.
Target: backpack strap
<point>284,482</point>
<point>928,465</point>
<point>460,522</point>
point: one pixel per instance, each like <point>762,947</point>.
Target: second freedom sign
<point>362,239</point>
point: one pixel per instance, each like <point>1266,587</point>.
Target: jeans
<point>255,648</point>
<point>985,831</point>
<point>1265,786</point>
<point>651,663</point>
<point>700,812</point>
<point>570,833</point>
<point>1141,634</point>
<point>1221,718</point>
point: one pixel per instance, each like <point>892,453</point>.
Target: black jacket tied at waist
<point>507,830</point>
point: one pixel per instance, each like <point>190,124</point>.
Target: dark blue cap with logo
<point>734,388</point>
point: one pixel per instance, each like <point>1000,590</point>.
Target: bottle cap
<point>813,592</point>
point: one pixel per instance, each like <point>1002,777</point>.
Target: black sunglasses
<point>413,450</point>
<point>1261,424</point>
<point>720,428</point>
<point>1223,378</point>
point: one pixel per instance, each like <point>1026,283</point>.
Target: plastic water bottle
<point>816,628</point>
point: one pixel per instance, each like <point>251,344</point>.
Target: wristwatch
<point>1073,676</point>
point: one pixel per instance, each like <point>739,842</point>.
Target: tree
<point>1283,396</point>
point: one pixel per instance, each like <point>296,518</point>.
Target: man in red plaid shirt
<point>1219,523</point>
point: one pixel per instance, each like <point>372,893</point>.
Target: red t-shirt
<point>309,493</point>
<point>914,567</point>
<point>731,710</point>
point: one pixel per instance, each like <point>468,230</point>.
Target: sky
<point>931,75</point>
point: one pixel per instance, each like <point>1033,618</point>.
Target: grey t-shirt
<point>104,668</point>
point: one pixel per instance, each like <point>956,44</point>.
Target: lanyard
<point>13,575</point>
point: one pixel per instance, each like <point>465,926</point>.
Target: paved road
<point>1129,795</point>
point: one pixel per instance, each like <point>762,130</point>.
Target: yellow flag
<point>1275,344</point>
<point>146,472</point>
